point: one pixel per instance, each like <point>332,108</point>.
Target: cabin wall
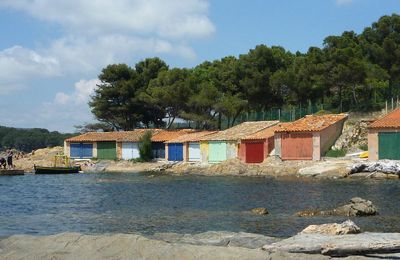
<point>204,151</point>
<point>316,146</point>
<point>373,144</point>
<point>185,152</point>
<point>94,149</point>
<point>242,150</point>
<point>278,144</point>
<point>329,136</point>
<point>119,150</point>
<point>67,149</point>
<point>231,149</point>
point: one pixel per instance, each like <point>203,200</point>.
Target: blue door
<point>175,152</point>
<point>158,150</point>
<point>81,150</point>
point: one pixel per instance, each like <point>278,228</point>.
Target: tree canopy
<point>349,72</point>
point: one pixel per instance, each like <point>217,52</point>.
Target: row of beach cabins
<point>308,138</point>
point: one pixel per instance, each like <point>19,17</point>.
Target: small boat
<point>11,172</point>
<point>57,170</point>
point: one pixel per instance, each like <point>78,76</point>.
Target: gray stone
<point>356,207</point>
<point>341,245</point>
<point>347,227</point>
<point>260,211</point>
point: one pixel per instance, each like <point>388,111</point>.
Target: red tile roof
<point>263,134</point>
<point>191,137</point>
<point>391,120</point>
<point>167,135</point>
<point>127,136</point>
<point>312,123</point>
<point>240,131</point>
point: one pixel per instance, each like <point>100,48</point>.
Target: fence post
<point>392,103</point>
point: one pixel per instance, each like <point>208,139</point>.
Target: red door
<point>297,146</point>
<point>255,152</point>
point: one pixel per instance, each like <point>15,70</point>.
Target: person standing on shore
<point>10,159</point>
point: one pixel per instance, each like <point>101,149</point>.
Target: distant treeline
<point>29,139</point>
<point>350,72</point>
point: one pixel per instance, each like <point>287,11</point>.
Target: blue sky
<point>52,51</point>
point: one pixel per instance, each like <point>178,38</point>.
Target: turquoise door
<point>216,151</point>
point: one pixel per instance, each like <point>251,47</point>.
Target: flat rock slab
<point>326,170</point>
<point>118,246</point>
<point>340,245</point>
<point>218,238</point>
<point>11,172</point>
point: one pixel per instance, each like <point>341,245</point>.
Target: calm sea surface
<point>140,203</point>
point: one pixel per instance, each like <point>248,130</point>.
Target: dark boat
<point>57,170</point>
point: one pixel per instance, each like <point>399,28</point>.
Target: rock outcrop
<point>347,227</point>
<point>356,207</point>
<point>260,211</point>
<point>385,166</point>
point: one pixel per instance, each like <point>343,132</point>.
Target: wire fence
<point>287,114</point>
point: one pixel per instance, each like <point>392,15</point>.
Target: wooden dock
<point>11,172</point>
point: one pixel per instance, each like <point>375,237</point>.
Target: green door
<point>389,145</point>
<point>106,150</point>
<point>216,151</point>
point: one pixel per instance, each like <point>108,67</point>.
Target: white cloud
<point>18,65</point>
<point>94,34</point>
<point>83,89</point>
<point>172,18</point>
<point>344,2</point>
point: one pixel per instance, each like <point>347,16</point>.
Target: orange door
<point>297,146</point>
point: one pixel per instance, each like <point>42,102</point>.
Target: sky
<point>51,52</point>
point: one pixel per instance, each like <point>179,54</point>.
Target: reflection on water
<point>136,203</point>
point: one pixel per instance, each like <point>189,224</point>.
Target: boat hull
<point>57,170</point>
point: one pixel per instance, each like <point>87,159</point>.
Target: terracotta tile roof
<point>167,135</point>
<point>240,131</point>
<point>128,136</point>
<point>263,134</point>
<point>391,120</point>
<point>312,123</point>
<point>191,137</point>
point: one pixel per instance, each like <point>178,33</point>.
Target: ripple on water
<point>131,203</point>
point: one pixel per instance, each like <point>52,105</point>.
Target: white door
<point>194,152</point>
<point>130,150</point>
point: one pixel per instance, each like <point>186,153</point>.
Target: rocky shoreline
<point>331,168</point>
<point>328,168</point>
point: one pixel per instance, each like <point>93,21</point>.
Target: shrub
<point>363,147</point>
<point>145,150</point>
<point>336,153</point>
<point>323,112</point>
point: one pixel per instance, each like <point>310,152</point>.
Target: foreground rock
<point>347,227</point>
<point>387,167</point>
<point>125,246</point>
<point>260,211</point>
<point>218,238</point>
<point>356,207</point>
<point>342,245</point>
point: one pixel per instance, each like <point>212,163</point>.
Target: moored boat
<point>57,170</point>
